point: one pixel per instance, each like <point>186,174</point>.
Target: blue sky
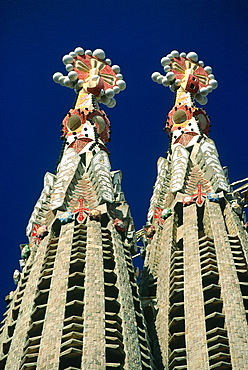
<point>34,35</point>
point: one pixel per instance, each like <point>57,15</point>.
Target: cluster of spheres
<point>109,73</point>
<point>171,79</point>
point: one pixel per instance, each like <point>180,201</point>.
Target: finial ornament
<point>91,73</point>
<point>184,73</point>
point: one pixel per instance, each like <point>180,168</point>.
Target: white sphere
<point>178,82</point>
<point>79,51</point>
<point>165,81</point>
<point>108,61</point>
<point>213,84</point>
<point>88,52</point>
<point>119,76</point>
<point>121,84</point>
<point>67,59</point>
<point>211,76</point>
<point>208,69</point>
<point>165,61</point>
<point>73,76</point>
<point>169,56</point>
<point>102,92</point>
<point>56,77</point>
<point>183,54</point>
<point>170,76</point>
<point>204,91</point>
<point>99,53</point>
<point>116,68</point>
<point>192,56</point>
<point>68,82</point>
<point>112,103</point>
<point>155,75</point>
<point>62,80</point>
<point>116,89</point>
<point>80,83</point>
<point>175,54</point>
<point>210,89</point>
<point>73,54</point>
<point>198,97</point>
<point>204,100</point>
<point>69,67</point>
<point>109,93</point>
<point>166,68</point>
<point>159,79</point>
<point>105,99</point>
<point>172,88</point>
<point>201,63</point>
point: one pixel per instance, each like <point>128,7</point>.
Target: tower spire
<point>192,278</point>
<point>76,304</point>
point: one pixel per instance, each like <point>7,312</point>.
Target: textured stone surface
<point>233,307</point>
<point>163,290</point>
<point>94,309</point>
<point>195,330</point>
<point>55,311</point>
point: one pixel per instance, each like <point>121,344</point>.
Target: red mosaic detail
<point>197,197</point>
<point>157,216</point>
<point>72,112</point>
<point>79,144</point>
<point>104,136</point>
<point>179,116</point>
<point>34,232</point>
<point>82,65</point>
<point>195,81</point>
<point>203,119</point>
<point>185,138</point>
<point>187,200</point>
<point>88,115</point>
<point>81,210</point>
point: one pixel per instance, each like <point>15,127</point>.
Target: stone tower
<point>76,304</point>
<point>195,283</point>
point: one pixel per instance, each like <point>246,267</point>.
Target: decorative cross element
<point>197,197</point>
<point>81,210</point>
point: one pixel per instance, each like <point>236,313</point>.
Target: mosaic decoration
<point>150,231</point>
<point>25,251</point>
<point>192,158</point>
<point>34,236</point>
<point>95,214</point>
<point>42,232</point>
<point>81,210</point>
<point>66,217</point>
<point>91,73</point>
<point>120,225</point>
<point>213,197</point>
<point>16,276</point>
<point>161,214</point>
<point>198,197</point>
